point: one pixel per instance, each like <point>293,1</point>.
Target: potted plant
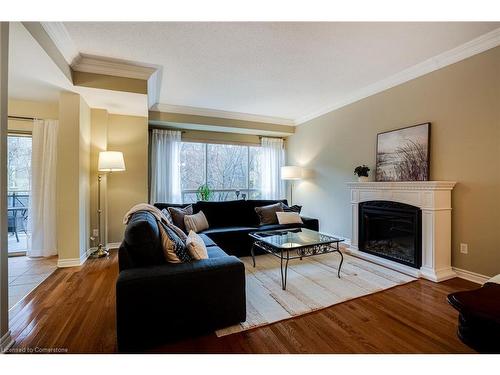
<point>362,172</point>
<point>204,193</point>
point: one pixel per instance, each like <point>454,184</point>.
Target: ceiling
<point>284,70</point>
<point>34,76</point>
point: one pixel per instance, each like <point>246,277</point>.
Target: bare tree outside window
<point>229,170</point>
<point>19,163</point>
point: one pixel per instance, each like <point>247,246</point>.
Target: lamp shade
<point>291,172</point>
<point>111,161</point>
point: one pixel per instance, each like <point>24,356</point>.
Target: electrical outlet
<point>95,232</point>
<point>464,248</point>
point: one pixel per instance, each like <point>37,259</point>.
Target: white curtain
<point>165,166</point>
<point>272,159</point>
<point>43,189</point>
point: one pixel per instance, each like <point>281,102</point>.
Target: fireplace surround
<point>433,200</point>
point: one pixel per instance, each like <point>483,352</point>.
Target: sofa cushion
<point>238,229</point>
<point>267,214</point>
<point>234,240</point>
<point>207,240</point>
<point>142,240</point>
<point>215,252</point>
<point>278,227</point>
<point>223,214</point>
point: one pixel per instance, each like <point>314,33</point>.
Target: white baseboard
<point>6,342</point>
<point>113,245</point>
<point>73,262</point>
<point>471,276</point>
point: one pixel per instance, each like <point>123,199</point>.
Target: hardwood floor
<point>74,311</point>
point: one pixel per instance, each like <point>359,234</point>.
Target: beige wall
<point>27,108</point>
<point>73,168</point>
<point>99,142</point>
<point>462,101</point>
<point>84,201</point>
<point>128,134</point>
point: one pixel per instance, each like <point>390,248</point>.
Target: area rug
<point>312,285</point>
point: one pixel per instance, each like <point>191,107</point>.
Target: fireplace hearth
<point>391,230</point>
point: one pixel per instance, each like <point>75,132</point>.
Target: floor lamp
<point>109,162</point>
<point>291,173</point>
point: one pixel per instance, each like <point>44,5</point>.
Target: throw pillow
<point>167,216</point>
<point>196,247</point>
<point>289,218</point>
<point>174,248</point>
<point>178,214</point>
<point>178,231</point>
<point>294,208</point>
<point>267,214</point>
<point>196,222</point>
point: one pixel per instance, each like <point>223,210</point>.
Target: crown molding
<point>112,67</point>
<point>197,111</point>
<point>124,69</point>
<point>154,87</point>
<point>466,50</point>
<point>61,38</point>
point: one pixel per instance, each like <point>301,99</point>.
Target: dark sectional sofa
<point>231,222</point>
<point>158,302</point>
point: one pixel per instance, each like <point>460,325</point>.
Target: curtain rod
<point>165,128</point>
<point>22,118</point>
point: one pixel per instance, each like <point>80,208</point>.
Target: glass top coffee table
<point>295,243</point>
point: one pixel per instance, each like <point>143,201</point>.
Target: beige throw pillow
<point>196,247</point>
<point>289,218</point>
<point>196,222</point>
<point>174,248</point>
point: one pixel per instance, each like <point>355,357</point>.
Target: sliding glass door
<point>19,192</point>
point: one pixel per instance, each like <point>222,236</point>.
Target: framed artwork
<point>403,154</point>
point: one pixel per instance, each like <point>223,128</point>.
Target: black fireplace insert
<point>391,230</point>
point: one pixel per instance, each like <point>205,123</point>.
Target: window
<point>229,170</point>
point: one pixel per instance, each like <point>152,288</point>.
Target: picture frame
<point>404,154</point>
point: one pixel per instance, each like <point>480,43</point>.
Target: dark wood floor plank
<point>74,308</point>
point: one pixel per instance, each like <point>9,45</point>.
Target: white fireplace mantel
<point>434,199</point>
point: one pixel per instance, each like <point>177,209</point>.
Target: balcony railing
<point>219,195</point>
<point>17,220</point>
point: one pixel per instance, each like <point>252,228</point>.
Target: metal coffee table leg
<point>253,254</point>
<point>284,273</point>
<point>341,259</point>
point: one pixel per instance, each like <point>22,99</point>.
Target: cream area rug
<point>312,285</point>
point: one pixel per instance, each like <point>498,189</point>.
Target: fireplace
<point>391,230</point>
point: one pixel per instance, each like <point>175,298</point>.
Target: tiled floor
<point>26,273</point>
